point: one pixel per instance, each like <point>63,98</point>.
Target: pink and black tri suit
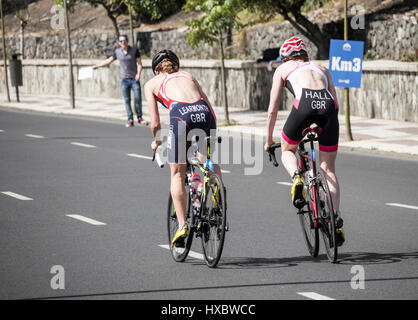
<point>311,106</point>
<point>184,117</point>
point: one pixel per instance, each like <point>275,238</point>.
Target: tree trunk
<point>308,29</point>
<point>131,28</point>
<point>4,51</point>
<point>113,19</point>
<point>22,39</point>
<point>224,93</point>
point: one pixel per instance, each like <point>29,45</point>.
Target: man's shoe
<point>181,234</point>
<point>142,121</point>
<point>130,124</point>
<point>298,192</point>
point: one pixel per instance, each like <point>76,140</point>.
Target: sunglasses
<point>123,41</point>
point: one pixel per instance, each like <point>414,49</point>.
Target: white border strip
<point>85,219</point>
<point>16,195</point>
<point>315,296</point>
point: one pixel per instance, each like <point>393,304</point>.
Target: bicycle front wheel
<point>214,221</point>
<point>179,251</point>
<point>327,218</point>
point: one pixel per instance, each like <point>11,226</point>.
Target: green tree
<point>291,10</point>
<point>219,17</point>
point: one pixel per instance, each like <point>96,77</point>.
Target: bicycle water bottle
<point>194,182</point>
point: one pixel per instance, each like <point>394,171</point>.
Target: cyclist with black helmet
<point>189,109</point>
<point>315,102</point>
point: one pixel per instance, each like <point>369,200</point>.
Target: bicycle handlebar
<point>272,155</point>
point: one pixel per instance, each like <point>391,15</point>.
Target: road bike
<point>317,215</point>
<point>207,220</point>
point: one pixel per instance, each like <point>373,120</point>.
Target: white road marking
<point>1,130</point>
<point>16,195</point>
<point>191,253</point>
<point>34,136</point>
<point>83,145</point>
<point>138,156</point>
<point>284,183</point>
<point>402,205</point>
<point>314,296</point>
<point>85,219</point>
<point>225,171</point>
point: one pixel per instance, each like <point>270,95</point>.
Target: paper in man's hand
<point>85,73</point>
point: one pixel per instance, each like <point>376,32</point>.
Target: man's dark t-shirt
<point>128,67</point>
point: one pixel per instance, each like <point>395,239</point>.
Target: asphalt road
<point>70,166</point>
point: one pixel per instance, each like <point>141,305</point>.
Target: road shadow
<point>353,258</point>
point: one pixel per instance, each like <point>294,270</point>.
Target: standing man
<point>130,73</point>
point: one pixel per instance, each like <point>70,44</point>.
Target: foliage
<point>219,16</point>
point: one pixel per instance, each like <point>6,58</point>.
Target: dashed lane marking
<point>34,136</point>
<point>284,183</point>
<point>83,145</point>
<point>16,195</point>
<point>402,206</point>
<point>315,296</point>
<point>134,155</point>
<point>87,220</point>
<point>191,254</point>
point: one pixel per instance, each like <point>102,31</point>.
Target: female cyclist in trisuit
<point>315,102</point>
<point>189,109</point>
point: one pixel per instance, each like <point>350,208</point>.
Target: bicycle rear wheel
<point>310,233</point>
<point>179,252</point>
<point>214,221</point>
<point>327,218</point>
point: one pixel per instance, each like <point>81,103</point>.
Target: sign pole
<point>346,92</point>
<point>4,50</point>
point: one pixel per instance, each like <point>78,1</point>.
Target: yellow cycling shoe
<point>181,234</point>
<point>298,191</point>
<point>339,231</point>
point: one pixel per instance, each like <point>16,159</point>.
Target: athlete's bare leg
<point>327,164</point>
<point>289,160</point>
<point>178,192</point>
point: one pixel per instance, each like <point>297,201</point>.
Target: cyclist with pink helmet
<point>315,102</point>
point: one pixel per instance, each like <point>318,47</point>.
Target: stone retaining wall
<point>388,90</point>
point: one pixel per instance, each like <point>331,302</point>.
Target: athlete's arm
<point>331,87</point>
<point>275,93</point>
<point>153,113</point>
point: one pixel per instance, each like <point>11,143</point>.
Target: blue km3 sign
<point>345,63</point>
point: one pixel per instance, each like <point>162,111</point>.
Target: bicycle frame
<point>194,162</point>
<point>305,156</point>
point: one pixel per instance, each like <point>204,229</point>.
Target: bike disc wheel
<point>179,253</point>
<point>214,221</point>
<point>310,233</point>
<point>326,213</point>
